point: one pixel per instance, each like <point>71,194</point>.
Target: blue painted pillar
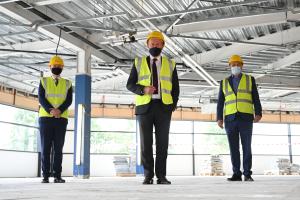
<point>81,167</point>
<point>139,166</point>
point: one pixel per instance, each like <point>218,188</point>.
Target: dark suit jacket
<point>139,90</point>
<point>241,116</point>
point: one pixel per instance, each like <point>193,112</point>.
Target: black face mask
<point>56,70</point>
<point>155,51</point>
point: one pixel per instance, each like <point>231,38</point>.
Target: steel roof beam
<point>283,37</point>
<point>286,61</point>
<point>224,40</point>
<point>7,1</point>
<point>45,45</point>
<point>282,63</point>
<point>100,28</point>
<point>222,23</point>
<point>49,2</point>
<point>68,21</point>
<point>180,17</point>
<point>67,40</point>
<point>208,8</point>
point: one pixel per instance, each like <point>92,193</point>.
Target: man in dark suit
<point>242,107</point>
<point>55,97</point>
<point>154,80</point>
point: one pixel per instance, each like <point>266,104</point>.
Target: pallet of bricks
<point>212,166</point>
<point>287,168</point>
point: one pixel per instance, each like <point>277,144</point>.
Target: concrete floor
<point>182,188</point>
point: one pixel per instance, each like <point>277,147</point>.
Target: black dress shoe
<point>248,178</point>
<point>59,180</point>
<point>45,180</point>
<point>235,178</point>
<point>163,180</point>
<point>147,181</point>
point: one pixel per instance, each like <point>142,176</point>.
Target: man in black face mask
<point>55,96</point>
<point>154,80</point>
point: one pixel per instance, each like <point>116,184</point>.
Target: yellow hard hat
<point>156,34</point>
<point>236,58</point>
<point>56,60</point>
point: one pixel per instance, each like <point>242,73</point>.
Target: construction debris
<point>287,168</point>
<point>212,166</point>
<point>295,169</point>
<point>284,166</point>
<point>123,166</point>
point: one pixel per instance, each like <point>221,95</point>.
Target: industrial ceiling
<point>200,36</point>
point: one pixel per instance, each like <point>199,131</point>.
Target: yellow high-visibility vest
<point>55,94</point>
<point>165,78</point>
<point>242,102</point>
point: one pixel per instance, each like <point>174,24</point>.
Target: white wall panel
<point>18,164</point>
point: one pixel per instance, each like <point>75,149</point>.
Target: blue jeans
<point>236,129</point>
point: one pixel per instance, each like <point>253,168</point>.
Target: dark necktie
<point>154,76</point>
<point>56,81</point>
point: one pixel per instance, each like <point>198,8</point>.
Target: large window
<point>18,129</point>
<point>270,139</point>
<point>295,132</point>
<point>190,142</point>
<point>210,139</point>
<point>113,136</point>
<point>180,138</point>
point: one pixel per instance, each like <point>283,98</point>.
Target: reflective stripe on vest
<point>55,94</point>
<point>165,78</point>
<point>242,102</point>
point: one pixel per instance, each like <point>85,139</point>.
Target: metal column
<point>193,148</point>
<point>139,166</point>
<point>81,167</point>
<point>290,143</point>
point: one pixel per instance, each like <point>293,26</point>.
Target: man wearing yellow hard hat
<point>55,96</point>
<point>154,80</point>
<point>239,94</point>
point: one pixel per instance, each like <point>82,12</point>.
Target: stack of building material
<point>132,159</point>
<point>284,166</point>
<point>205,168</point>
<point>271,172</point>
<point>212,166</point>
<point>216,166</point>
<point>122,166</point>
<point>295,169</point>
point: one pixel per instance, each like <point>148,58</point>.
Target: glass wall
<point>295,132</point>
<point>18,129</point>
<point>113,136</point>
<point>210,139</point>
<point>180,139</point>
<point>295,142</point>
<point>190,142</point>
<point>270,139</point>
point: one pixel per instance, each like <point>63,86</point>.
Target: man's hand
<point>174,106</point>
<point>55,112</point>
<point>220,123</point>
<point>149,90</point>
<point>257,118</point>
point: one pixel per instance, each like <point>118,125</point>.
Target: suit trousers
<point>52,131</point>
<point>159,117</point>
<point>236,129</point>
